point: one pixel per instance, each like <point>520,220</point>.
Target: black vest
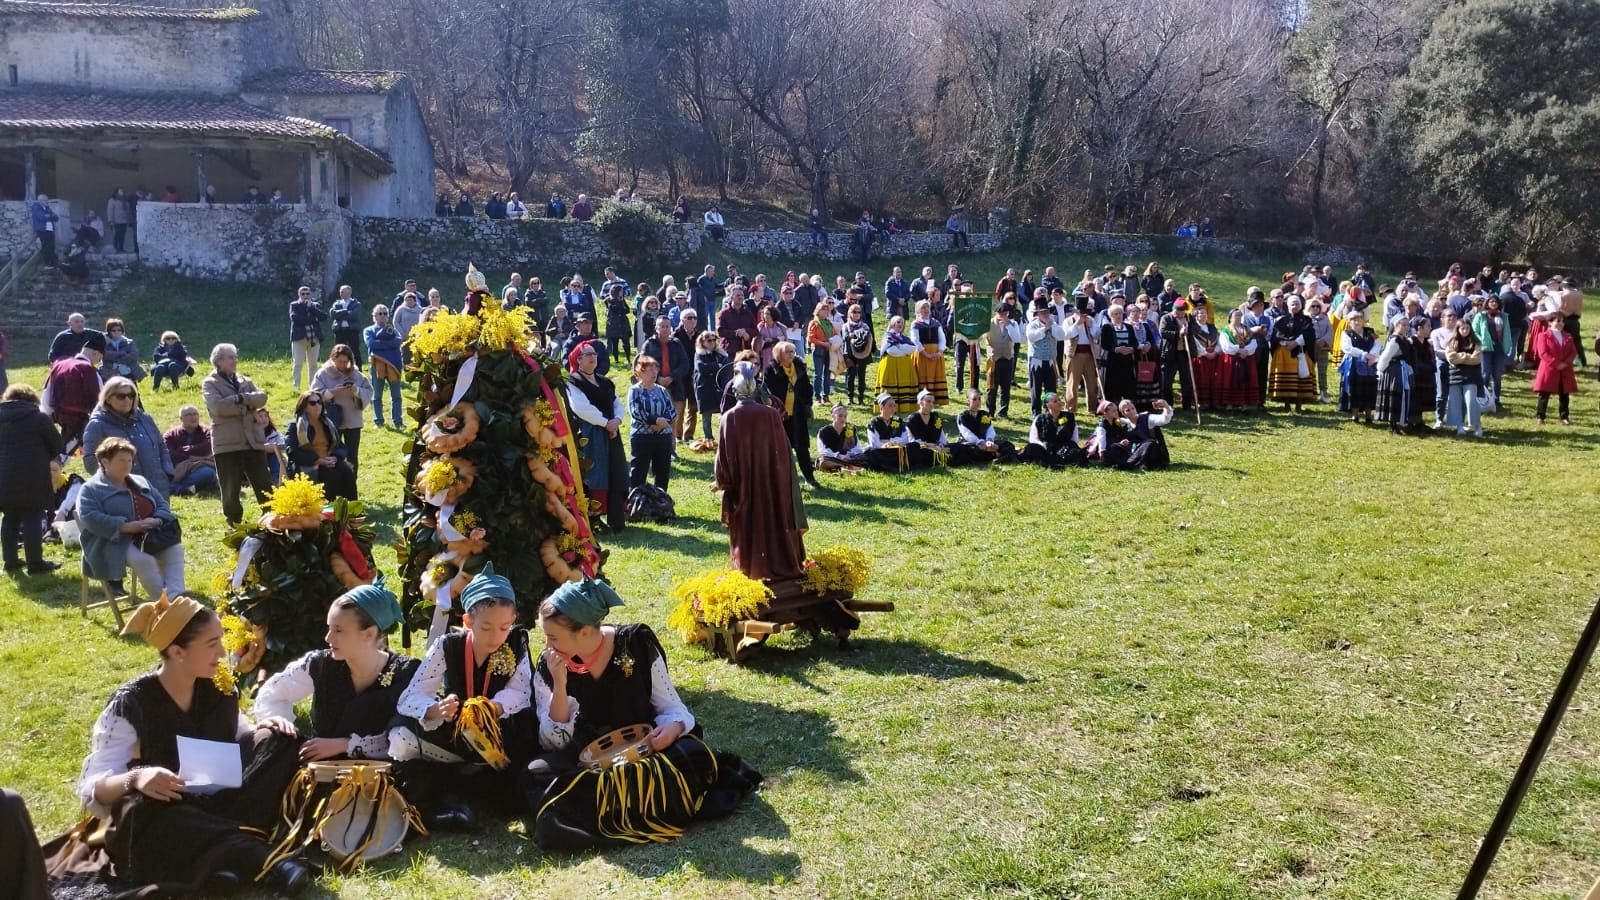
<point>485,683</point>
<point>157,720</point>
<point>834,440</point>
<point>927,431</point>
<point>338,711</point>
<point>621,695</point>
<point>886,431</point>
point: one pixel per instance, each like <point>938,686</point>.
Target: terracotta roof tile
<point>31,112</point>
<point>324,81</point>
<point>120,11</point>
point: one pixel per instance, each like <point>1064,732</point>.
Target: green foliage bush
<point>636,231</point>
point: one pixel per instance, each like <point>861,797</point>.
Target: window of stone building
<point>11,75</point>
<point>342,126</point>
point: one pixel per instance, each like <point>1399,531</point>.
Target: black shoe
<point>220,883</point>
<point>814,483</point>
<point>289,877</point>
<point>44,568</point>
<point>453,818</point>
<point>13,567</point>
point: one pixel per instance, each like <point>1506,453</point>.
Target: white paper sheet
<point>209,766</point>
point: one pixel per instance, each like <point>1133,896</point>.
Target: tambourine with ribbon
<point>351,807</point>
<point>628,744</point>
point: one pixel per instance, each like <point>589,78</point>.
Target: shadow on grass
<point>720,849</point>
<point>875,656</point>
<point>771,737</point>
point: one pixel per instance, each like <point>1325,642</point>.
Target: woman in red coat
<point>1557,352</point>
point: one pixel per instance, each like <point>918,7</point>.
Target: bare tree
<point>1341,61</point>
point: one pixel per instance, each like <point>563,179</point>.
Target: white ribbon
<point>446,530</point>
<point>247,552</point>
<point>469,370</point>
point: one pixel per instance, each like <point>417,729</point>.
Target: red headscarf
<point>572,358</point>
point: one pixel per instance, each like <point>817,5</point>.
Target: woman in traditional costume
<point>928,335</point>
<point>1053,436</point>
<point>468,703</point>
<point>354,685</point>
<point>594,403</point>
<point>1147,363</point>
<point>152,829</point>
<point>1237,385</point>
<point>1207,359</point>
<point>1290,380</point>
<point>890,447</point>
<point>1149,450</point>
<point>593,679</point>
<point>1396,375</point>
<point>897,372</point>
<point>1424,372</point>
<point>926,427</point>
<point>1358,369</point>
<point>839,449</point>
<point>1121,346</point>
<point>978,443</point>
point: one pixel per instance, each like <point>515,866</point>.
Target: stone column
<point>200,173</point>
<point>30,175</point>
<point>305,179</point>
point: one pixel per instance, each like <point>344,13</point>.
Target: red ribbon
<point>351,551</point>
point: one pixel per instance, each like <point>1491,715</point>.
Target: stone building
<point>97,96</point>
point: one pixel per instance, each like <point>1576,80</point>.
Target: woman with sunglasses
<point>316,448</point>
<point>119,414</point>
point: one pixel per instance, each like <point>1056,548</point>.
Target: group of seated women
<point>1124,438</point>
<point>488,721</point>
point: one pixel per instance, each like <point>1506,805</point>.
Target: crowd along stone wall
<point>788,244</point>
<point>281,245</point>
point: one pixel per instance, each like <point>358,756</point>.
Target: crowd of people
<point>1125,342</point>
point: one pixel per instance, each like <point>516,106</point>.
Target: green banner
<point>972,314</point>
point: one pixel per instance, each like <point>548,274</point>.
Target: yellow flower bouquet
<point>838,568</point>
<point>715,598</point>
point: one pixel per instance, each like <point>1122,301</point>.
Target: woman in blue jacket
<point>126,523</point>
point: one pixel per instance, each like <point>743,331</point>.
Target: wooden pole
<point>1542,736</point>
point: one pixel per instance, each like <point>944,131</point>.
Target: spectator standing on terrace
<point>582,211</point>
<point>714,223</point>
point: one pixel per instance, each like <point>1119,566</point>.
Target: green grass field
<point>1302,662</point>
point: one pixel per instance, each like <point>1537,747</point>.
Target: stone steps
<point>41,305</point>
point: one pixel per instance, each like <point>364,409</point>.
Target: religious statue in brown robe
<point>761,503</point>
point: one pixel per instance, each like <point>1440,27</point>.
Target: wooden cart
<point>794,606</point>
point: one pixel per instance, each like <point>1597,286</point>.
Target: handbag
<point>169,534</point>
<point>1145,370</point>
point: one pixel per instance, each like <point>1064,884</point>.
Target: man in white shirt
<point>713,223</point>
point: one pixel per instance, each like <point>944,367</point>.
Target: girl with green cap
<point>592,679</point>
<point>354,685</point>
<point>469,702</point>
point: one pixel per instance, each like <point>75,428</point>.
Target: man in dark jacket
<point>677,367</point>
<point>28,442</point>
<point>790,393</point>
<point>705,292</point>
<point>305,334</point>
<point>71,339</point>
<point>348,322</point>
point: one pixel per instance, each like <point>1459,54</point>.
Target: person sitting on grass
<point>171,360</point>
<point>180,841</point>
<point>1053,436</point>
<point>189,446</point>
<point>591,679</point>
<point>839,449</point>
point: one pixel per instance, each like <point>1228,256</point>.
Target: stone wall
<point>16,228</point>
<point>1167,246</point>
<point>131,54</point>
<point>282,246</point>
<point>785,244</point>
<point>448,244</point>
